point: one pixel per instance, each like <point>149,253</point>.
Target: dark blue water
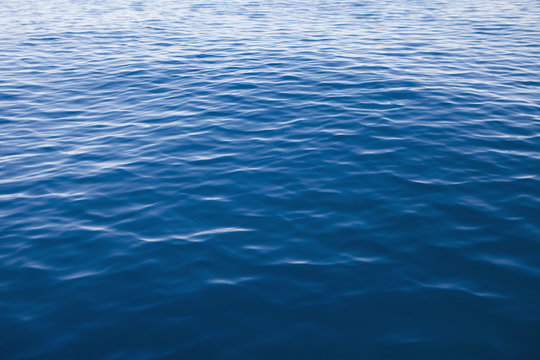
<point>269,179</point>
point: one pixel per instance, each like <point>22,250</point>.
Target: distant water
<point>270,179</point>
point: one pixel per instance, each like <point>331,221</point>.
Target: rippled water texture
<point>270,179</point>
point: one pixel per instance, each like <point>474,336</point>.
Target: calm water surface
<point>270,179</point>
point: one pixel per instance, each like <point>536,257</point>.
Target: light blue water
<point>269,179</point>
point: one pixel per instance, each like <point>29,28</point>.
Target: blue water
<point>280,179</point>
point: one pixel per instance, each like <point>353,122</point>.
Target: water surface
<point>269,179</point>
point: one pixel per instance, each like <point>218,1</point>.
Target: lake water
<point>270,179</point>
